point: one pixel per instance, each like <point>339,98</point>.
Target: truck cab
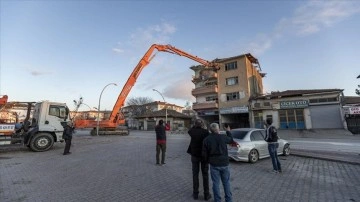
<point>45,127</point>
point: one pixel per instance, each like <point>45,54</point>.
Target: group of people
<point>209,149</point>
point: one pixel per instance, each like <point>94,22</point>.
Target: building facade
<point>223,96</point>
<point>299,109</point>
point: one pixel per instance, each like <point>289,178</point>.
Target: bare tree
<point>136,105</point>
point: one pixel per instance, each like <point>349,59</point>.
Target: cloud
<point>308,19</point>
<point>38,73</point>
<point>118,50</point>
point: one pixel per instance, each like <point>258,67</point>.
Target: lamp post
<point>98,116</point>
<point>165,105</point>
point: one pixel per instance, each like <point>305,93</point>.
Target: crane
<point>111,125</point>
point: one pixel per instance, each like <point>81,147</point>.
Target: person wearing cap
<point>198,134</point>
<point>160,142</point>
<point>67,136</point>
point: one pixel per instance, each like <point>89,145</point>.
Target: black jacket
<point>160,132</point>
<point>197,135</point>
<point>68,132</point>
<point>271,134</point>
<point>215,149</point>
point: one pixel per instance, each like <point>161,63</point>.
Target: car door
<point>258,140</point>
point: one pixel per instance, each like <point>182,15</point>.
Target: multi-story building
<point>223,96</point>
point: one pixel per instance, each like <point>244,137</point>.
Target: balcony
<point>205,105</point>
<point>206,77</point>
<point>204,90</point>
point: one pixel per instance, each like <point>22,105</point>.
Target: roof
<point>352,100</point>
<point>296,93</point>
<point>162,113</point>
<point>247,55</point>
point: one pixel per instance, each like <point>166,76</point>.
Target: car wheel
<point>286,150</point>
<point>41,142</point>
<point>253,156</point>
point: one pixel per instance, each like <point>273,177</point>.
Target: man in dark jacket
<point>198,134</point>
<point>216,153</point>
<point>272,139</point>
<point>160,142</point>
<point>67,136</point>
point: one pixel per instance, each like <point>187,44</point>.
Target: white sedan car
<point>249,145</point>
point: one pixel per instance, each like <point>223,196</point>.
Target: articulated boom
<point>117,119</point>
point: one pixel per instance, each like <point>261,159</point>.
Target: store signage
<point>234,110</point>
<point>7,128</point>
<point>294,104</point>
<point>354,110</point>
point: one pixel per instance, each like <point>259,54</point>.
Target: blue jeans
<point>222,173</point>
<point>274,157</point>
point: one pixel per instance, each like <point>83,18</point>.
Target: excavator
<point>115,124</point>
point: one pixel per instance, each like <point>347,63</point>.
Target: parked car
<point>249,145</point>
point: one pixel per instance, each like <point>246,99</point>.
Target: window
<point>232,81</point>
<point>256,136</point>
<point>238,134</point>
<point>230,66</point>
<point>318,100</point>
<point>257,105</point>
<point>232,96</point>
<point>212,98</point>
<point>292,119</point>
<point>258,119</point>
<point>58,111</point>
<point>211,83</point>
<point>266,104</point>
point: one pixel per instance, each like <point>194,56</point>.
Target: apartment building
<point>223,96</point>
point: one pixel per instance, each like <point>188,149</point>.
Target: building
<point>134,114</point>
<point>351,109</point>
<point>299,109</point>
<point>223,96</point>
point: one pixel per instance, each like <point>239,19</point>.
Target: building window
<point>266,104</point>
<point>232,96</point>
<point>257,105</point>
<point>292,119</point>
<point>258,119</point>
<point>322,100</point>
<point>230,66</point>
<point>232,81</point>
<point>211,83</point>
<point>212,98</point>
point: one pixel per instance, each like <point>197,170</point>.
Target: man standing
<point>271,138</point>
<point>67,136</point>
<point>198,134</point>
<point>215,152</point>
<point>160,142</point>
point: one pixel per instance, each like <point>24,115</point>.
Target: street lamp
<point>98,117</point>
<point>165,105</point>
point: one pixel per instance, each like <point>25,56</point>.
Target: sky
<point>63,50</point>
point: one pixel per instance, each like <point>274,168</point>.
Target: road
<point>331,145</point>
<point>122,168</point>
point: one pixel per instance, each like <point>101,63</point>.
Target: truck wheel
<point>41,142</point>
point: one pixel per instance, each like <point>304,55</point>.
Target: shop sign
<point>234,110</point>
<point>294,104</point>
<point>7,128</point>
<point>354,110</point>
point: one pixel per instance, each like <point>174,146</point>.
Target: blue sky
<point>63,50</point>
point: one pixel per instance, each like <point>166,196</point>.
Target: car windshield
<point>238,134</point>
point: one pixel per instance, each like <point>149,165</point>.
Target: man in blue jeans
<point>272,139</point>
<point>215,152</point>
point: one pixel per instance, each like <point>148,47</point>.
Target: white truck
<point>41,128</point>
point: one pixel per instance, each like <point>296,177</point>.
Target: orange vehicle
<point>3,100</point>
<point>116,119</point>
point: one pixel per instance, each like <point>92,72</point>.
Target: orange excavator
<point>115,123</point>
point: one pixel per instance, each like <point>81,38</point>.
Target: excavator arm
<point>145,60</point>
<point>116,118</point>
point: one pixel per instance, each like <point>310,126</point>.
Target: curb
<point>350,158</point>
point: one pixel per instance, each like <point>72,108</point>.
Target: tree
<point>137,105</point>
<point>357,91</point>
